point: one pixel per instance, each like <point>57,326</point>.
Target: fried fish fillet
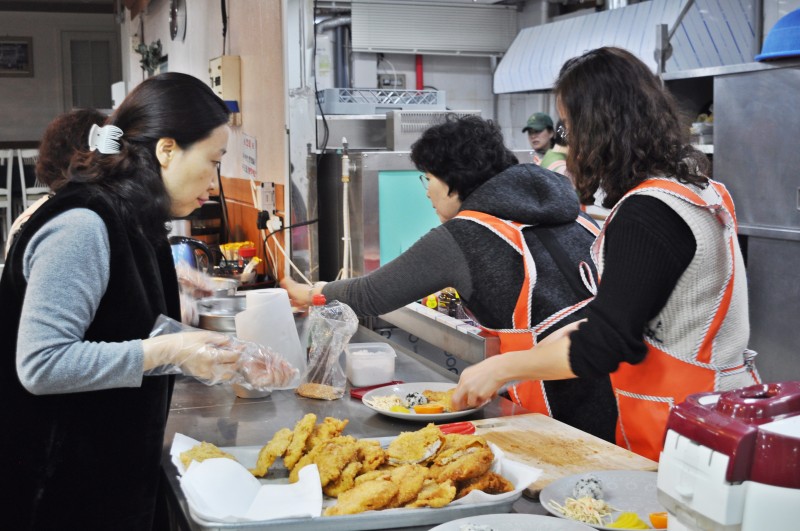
<point>445,398</point>
<point>331,457</point>
<point>271,451</point>
<point>370,454</point>
<point>409,480</point>
<point>344,482</point>
<point>302,431</point>
<point>327,429</point>
<point>490,483</point>
<point>367,496</point>
<point>434,494</point>
<point>201,452</point>
<point>415,447</point>
<point>463,465</point>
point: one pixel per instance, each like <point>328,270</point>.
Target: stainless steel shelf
<point>463,341</point>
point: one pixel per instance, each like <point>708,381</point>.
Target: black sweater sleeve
<point>648,246</point>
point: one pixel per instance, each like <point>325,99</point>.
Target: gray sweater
<point>66,265</point>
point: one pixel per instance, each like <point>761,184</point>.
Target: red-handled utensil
<point>463,428</point>
<point>359,392</point>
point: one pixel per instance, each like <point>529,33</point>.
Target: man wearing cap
<point>540,134</point>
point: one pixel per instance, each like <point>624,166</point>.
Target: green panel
<point>404,212</point>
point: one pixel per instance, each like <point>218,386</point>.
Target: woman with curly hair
<point>514,245</point>
<point>670,317</point>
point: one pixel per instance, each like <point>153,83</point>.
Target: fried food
<point>345,481</point>
<point>201,452</point>
<point>319,391</point>
<point>370,454</point>
<point>327,429</point>
<point>490,483</point>
<point>463,465</point>
<point>302,431</point>
<point>445,398</point>
<point>331,457</point>
<point>367,496</point>
<point>409,480</point>
<point>434,494</point>
<point>415,447</point>
<point>271,451</point>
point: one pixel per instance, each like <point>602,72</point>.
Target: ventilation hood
<point>712,33</point>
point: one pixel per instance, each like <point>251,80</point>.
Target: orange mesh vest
<point>670,372</point>
<point>524,335</point>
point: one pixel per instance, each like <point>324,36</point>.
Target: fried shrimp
<point>271,451</point>
<point>302,431</point>
<point>366,496</point>
<point>415,447</point>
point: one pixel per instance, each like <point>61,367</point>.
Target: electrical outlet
<point>391,81</point>
<point>266,197</point>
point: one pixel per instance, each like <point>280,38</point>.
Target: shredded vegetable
<point>586,509</point>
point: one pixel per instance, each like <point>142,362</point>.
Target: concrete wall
<point>28,104</point>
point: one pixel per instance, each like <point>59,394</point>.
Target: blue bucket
<point>783,40</point>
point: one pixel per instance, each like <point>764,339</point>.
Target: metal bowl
<point>224,286</point>
<point>219,313</point>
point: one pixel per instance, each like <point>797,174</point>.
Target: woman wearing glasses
<point>512,242</point>
<point>670,317</point>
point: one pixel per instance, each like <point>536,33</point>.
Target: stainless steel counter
<point>216,415</point>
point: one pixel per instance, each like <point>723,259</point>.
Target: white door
<point>91,63</point>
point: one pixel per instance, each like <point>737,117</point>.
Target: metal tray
<point>387,518</point>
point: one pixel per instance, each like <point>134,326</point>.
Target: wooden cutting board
<point>556,448</point>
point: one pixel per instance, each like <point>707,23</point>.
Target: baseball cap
<point>538,121</point>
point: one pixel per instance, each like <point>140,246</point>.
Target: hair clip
<point>105,139</point>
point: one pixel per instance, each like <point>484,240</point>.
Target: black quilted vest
<point>87,460</point>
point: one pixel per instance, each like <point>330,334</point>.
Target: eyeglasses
<point>218,164</point>
<point>562,132</point>
<point>425,181</point>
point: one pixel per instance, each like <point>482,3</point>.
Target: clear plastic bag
<point>330,329</point>
<point>227,359</point>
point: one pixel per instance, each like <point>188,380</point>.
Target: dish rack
<point>378,101</point>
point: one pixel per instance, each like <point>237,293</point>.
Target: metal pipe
<point>332,23</point>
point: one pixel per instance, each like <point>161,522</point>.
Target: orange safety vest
<point>524,335</point>
<point>645,392</point>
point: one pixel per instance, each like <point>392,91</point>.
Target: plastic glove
<point>193,282</point>
<point>208,356</point>
<point>190,314</point>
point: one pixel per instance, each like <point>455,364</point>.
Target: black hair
<point>558,138</point>
<point>464,152</point>
<point>66,134</point>
<point>170,105</point>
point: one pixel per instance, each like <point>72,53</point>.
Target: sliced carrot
<point>659,520</point>
<point>428,409</point>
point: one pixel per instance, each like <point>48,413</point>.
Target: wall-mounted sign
<point>249,157</point>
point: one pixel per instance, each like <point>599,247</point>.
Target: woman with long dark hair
<point>670,317</point>
<point>84,282</point>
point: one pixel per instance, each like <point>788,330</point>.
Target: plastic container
<point>369,363</point>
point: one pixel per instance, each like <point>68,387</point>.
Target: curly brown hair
<point>65,135</point>
<point>623,126</point>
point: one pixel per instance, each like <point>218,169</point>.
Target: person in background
<point>85,280</point>
<point>66,134</point>
<point>670,317</point>
<point>514,246</point>
<point>540,134</point>
<point>556,157</point>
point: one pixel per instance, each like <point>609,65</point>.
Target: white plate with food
<point>398,401</point>
<point>602,496</point>
<point>511,522</point>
